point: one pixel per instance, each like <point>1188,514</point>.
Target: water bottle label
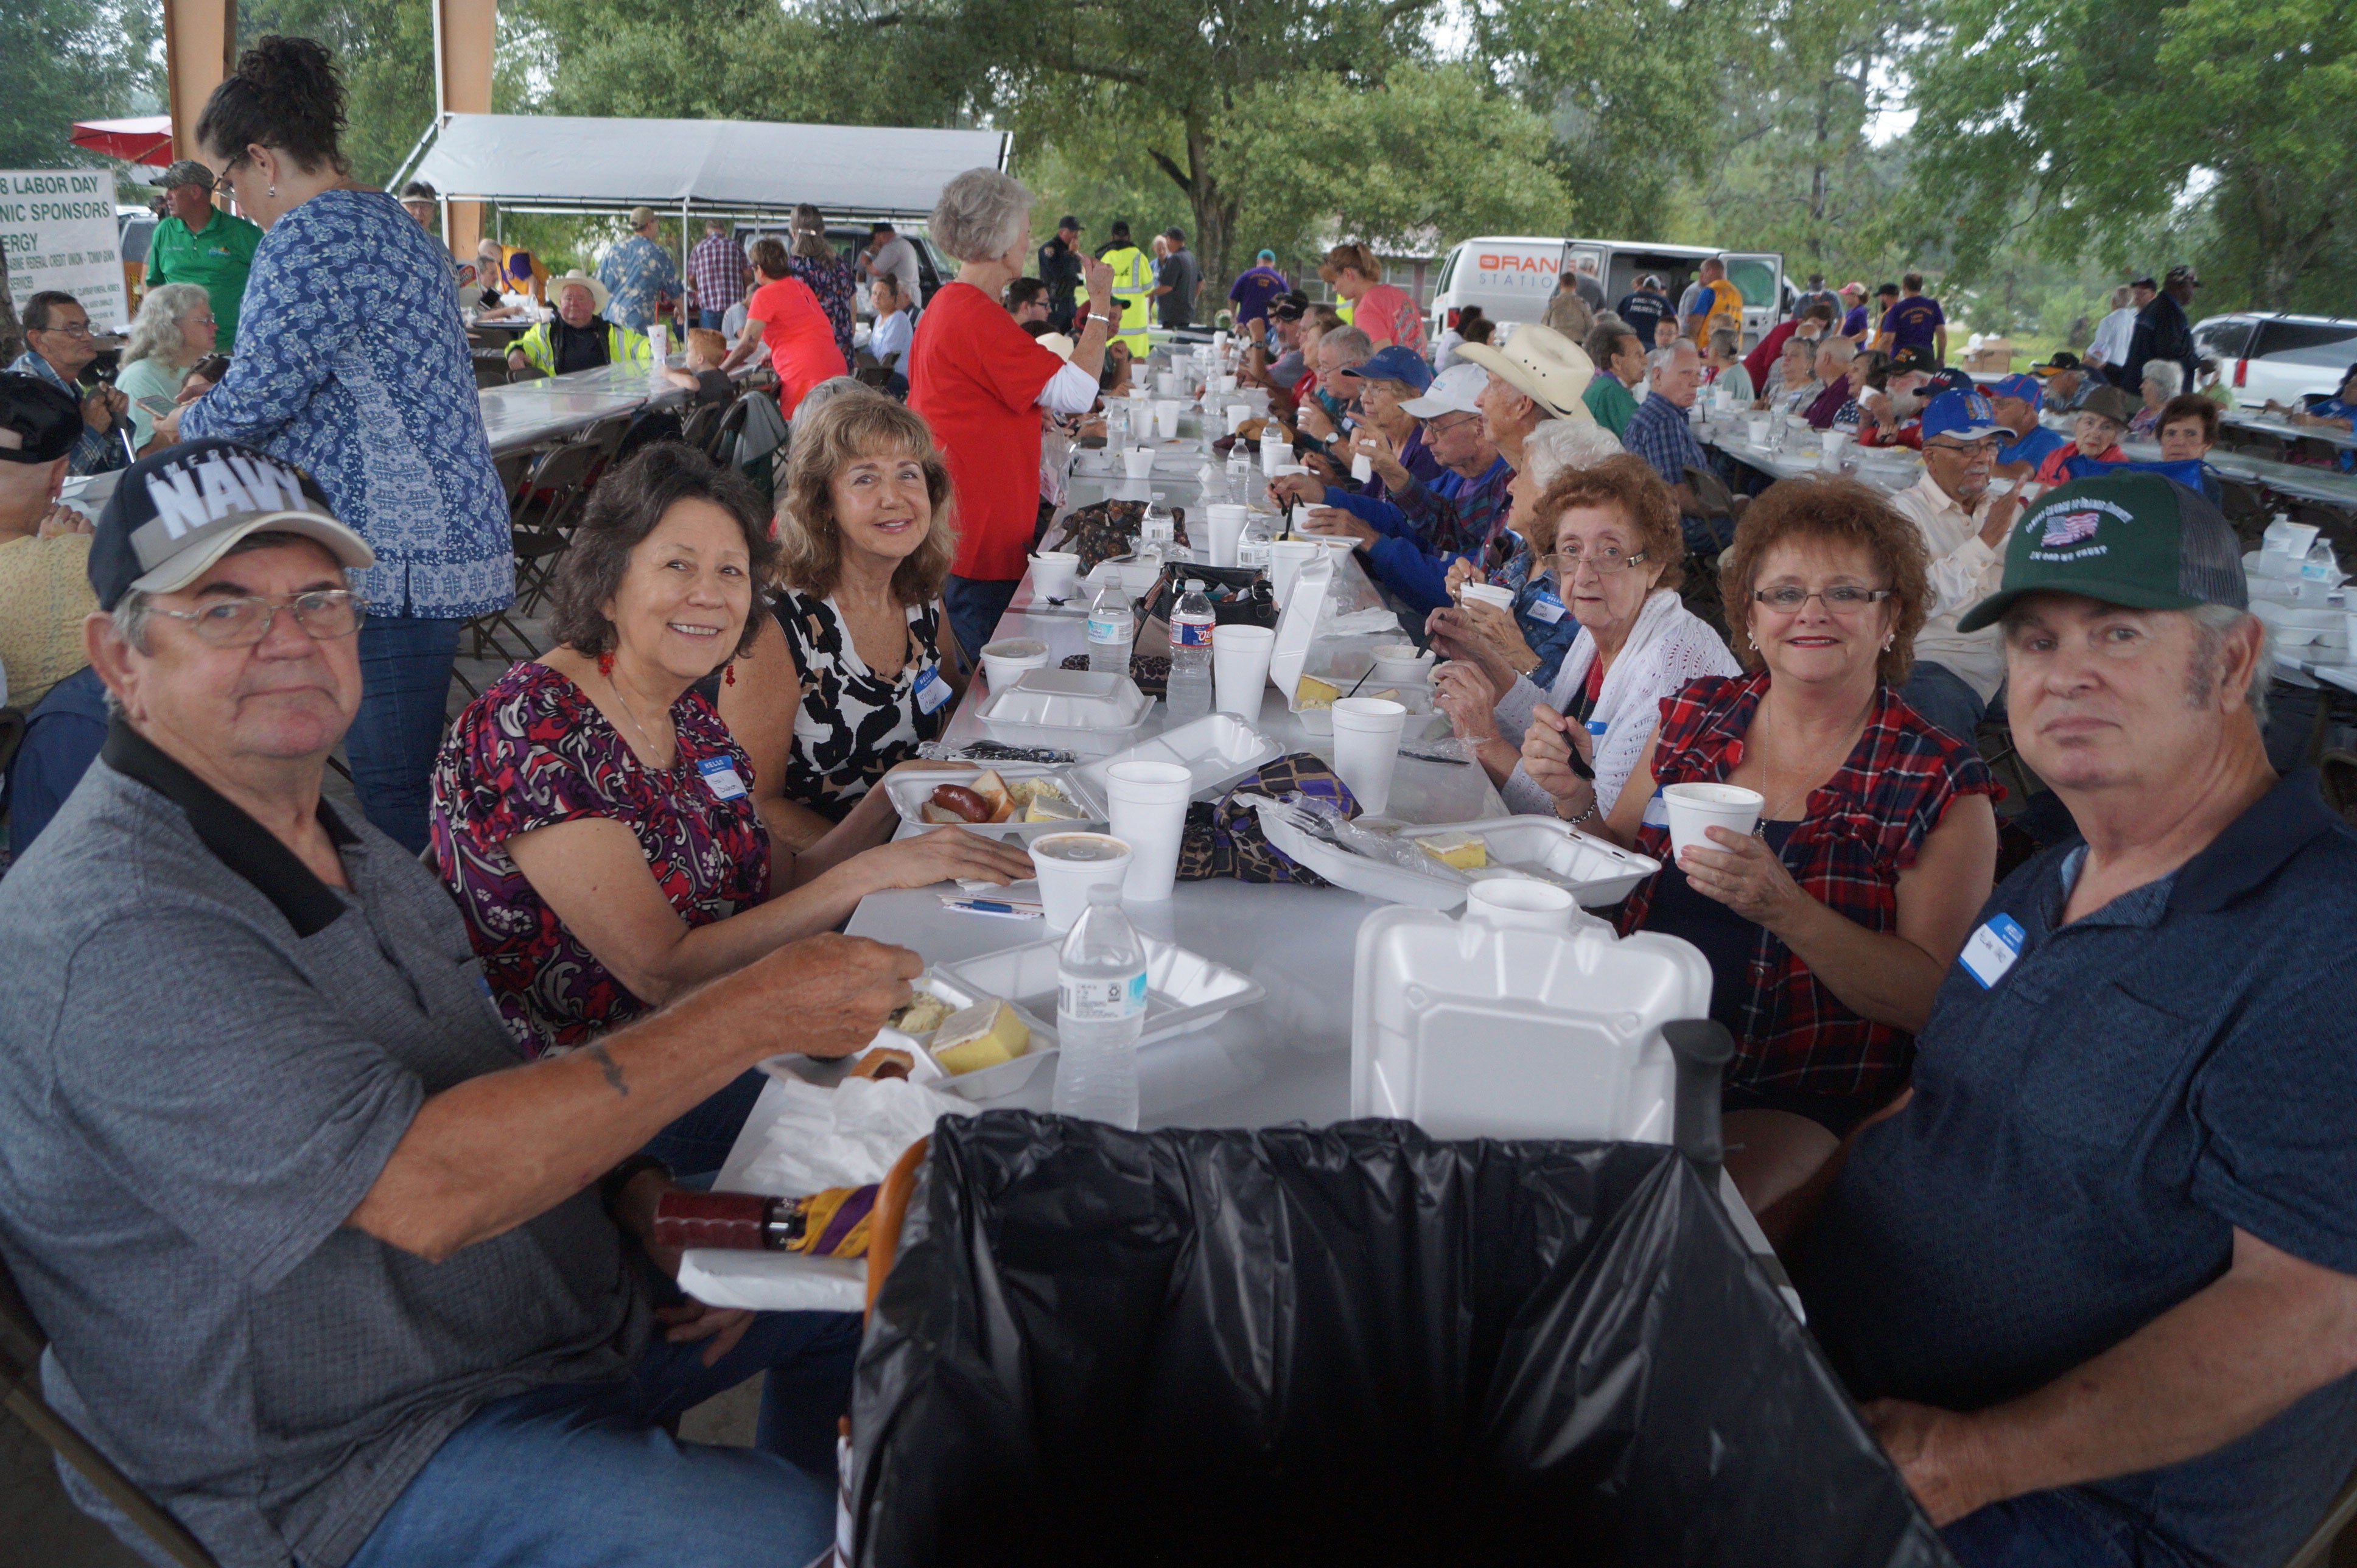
<point>1102,1001</point>
<point>1191,633</point>
<point>1105,630</point>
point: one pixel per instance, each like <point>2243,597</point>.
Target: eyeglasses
<point>70,330</point>
<point>1963,448</point>
<point>1604,561</point>
<point>221,186</point>
<point>242,622</point>
<point>1842,598</point>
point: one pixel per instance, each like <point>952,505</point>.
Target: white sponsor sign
<point>58,227</point>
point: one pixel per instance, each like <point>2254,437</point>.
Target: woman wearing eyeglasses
<point>1830,928</point>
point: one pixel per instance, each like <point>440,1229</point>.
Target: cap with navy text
<point>173,515</point>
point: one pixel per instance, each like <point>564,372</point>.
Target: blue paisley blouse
<point>533,750</point>
<point>352,363</point>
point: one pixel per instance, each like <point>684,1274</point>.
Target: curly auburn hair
<point>839,432</point>
<point>1628,483</point>
<point>630,502</point>
<point>1839,511</point>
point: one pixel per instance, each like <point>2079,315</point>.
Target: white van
<point>1510,277</point>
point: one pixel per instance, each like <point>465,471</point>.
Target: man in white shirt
<point>2116,331</point>
<point>888,254</point>
<point>1957,673</point>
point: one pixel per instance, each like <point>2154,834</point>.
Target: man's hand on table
<point>1337,523</point>
<point>691,1320</point>
<point>1937,1453</point>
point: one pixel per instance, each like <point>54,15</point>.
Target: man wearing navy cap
<point>2024,442</point>
<point>2096,1275</point>
<point>1059,269</point>
<point>1957,673</point>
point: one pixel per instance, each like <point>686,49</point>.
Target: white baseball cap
<point>1456,390</point>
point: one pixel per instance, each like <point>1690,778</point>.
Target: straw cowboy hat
<point>1541,363</point>
<point>577,277</point>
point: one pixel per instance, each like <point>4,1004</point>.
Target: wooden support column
<point>465,33</point>
<point>200,48</point>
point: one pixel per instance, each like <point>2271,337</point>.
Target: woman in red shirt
<point>1386,315</point>
<point>980,381</point>
<point>784,313</point>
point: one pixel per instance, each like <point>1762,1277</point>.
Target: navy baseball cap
<point>1396,364</point>
<point>39,423</point>
<point>2027,388</point>
<point>1965,415</point>
<point>173,515</point>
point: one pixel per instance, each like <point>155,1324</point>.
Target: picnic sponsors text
<point>41,197</point>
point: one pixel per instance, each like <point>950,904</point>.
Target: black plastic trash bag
<point>1349,1345</point>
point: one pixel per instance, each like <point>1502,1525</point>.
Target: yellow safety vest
<point>1133,290</point>
<point>623,347</point>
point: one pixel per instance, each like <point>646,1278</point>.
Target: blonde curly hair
<point>839,432</point>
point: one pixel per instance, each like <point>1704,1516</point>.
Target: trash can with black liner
<point>1352,1345</point>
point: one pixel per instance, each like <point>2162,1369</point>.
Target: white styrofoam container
<point>1216,750</point>
<point>1079,711</point>
<point>1296,627</point>
<point>1474,1029</point>
<point>909,791</point>
<point>985,1084</point>
<point>1184,990</point>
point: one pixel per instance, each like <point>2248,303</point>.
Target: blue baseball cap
<point>1396,364</point>
<point>1966,416</point>
<point>1268,256</point>
<point>2029,389</point>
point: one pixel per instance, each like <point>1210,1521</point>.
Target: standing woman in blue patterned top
<point>351,362</point>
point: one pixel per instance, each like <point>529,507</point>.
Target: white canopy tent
<point>545,163</point>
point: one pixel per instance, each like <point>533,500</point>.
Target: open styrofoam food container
<point>1215,750</point>
<point>909,791</point>
<point>1597,873</point>
<point>985,1084</point>
<point>1081,711</point>
<point>1184,990</point>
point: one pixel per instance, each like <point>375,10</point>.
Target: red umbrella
<point>147,140</point>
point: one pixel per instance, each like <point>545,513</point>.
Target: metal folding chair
<point>21,1343</point>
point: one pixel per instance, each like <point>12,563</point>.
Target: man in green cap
<point>201,244</point>
<point>2095,1272</point>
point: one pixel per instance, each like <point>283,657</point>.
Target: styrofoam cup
<point>1831,445</point>
<point>1484,593</point>
<point>1237,414</point>
<point>1366,748</point>
<point>1226,521</point>
<point>1240,656</point>
<point>1275,454</point>
<point>1145,806</point>
<point>1069,864</point>
<point>1166,418</point>
<point>1694,807</point>
<point>1225,384</point>
<point>1287,557</point>
<point>1520,901</point>
<point>1053,571</point>
<point>1756,428</point>
<point>1138,462</point>
<point>1005,661</point>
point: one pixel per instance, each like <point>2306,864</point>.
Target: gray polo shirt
<point>207,1055</point>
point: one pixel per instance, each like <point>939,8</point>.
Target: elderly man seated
<point>44,598</point>
<point>2068,381</point>
<point>59,347</point>
<point>1659,434</point>
<point>2097,1275</point>
<point>327,1267</point>
<point>580,339</point>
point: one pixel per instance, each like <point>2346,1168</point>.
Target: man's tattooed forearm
<point>609,1067</point>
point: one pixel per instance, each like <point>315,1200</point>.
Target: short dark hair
<point>1023,292</point>
<point>881,229</point>
<point>418,190</point>
<point>1481,329</point>
<point>1887,290</point>
<point>1914,283</point>
<point>2189,406</point>
<point>284,94</point>
<point>630,501</point>
<point>35,314</point>
<point>1844,511</point>
<point>1825,310</point>
<point>1175,233</point>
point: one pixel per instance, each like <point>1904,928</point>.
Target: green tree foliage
<point>69,61</point>
<point>2073,126</point>
<point>385,50</point>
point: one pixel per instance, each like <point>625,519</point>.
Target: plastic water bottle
<point>1099,1014</point>
<point>1189,683</point>
<point>1112,629</point>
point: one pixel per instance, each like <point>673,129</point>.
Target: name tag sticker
<point>1992,949</point>
<point>720,778</point>
<point>1547,607</point>
<point>1657,811</point>
<point>932,690</point>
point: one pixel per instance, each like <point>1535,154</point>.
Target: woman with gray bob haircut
<point>173,331</point>
<point>982,384</point>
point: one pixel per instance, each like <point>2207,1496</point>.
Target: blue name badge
<point>1991,951</point>
<point>932,690</point>
<point>720,778</point>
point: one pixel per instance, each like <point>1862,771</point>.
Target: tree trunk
<point>12,334</point>
<point>1215,218</point>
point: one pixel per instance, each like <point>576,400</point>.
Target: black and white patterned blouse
<point>853,722</point>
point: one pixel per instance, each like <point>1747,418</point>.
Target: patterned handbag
<point>1224,838</point>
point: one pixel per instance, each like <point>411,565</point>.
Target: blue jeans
<point>976,606</point>
<point>585,1475</point>
<point>1946,699</point>
<point>710,320</point>
<point>63,734</point>
<point>2066,1529</point>
<point>404,688</point>
<point>696,1145</point>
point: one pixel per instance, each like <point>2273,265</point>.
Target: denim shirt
<point>94,451</point>
<point>352,363</point>
<point>1543,619</point>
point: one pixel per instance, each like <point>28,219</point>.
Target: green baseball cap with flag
<point>2140,540</point>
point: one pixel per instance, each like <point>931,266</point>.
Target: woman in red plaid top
<point>1830,928</point>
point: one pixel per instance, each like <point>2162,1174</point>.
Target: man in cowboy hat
<point>580,339</point>
<point>1539,374</point>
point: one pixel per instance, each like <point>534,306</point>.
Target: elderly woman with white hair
<point>981,382</point>
<point>2163,380</point>
<point>173,331</point>
<point>1615,552</point>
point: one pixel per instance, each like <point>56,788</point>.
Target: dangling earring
<point>606,664</point>
<point>1755,645</point>
<point>1885,640</point>
<point>274,192</point>
<point>728,676</point>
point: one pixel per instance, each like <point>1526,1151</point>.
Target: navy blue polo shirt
<point>2087,1135</point>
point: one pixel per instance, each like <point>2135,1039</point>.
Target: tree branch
<point>1179,177</point>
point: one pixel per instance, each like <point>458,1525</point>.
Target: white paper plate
<point>1184,990</point>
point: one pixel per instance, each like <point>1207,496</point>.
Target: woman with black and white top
<point>857,664</point>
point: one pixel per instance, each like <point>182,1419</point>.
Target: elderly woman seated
<point>1793,381</point>
<point>579,338</point>
<point>1610,543</point>
<point>2163,380</point>
<point>1828,930</point>
<point>1387,435</point>
<point>1723,364</point>
<point>173,331</point>
<point>596,819</point>
<point>2103,419</point>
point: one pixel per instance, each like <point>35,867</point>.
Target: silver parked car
<point>2281,358</point>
